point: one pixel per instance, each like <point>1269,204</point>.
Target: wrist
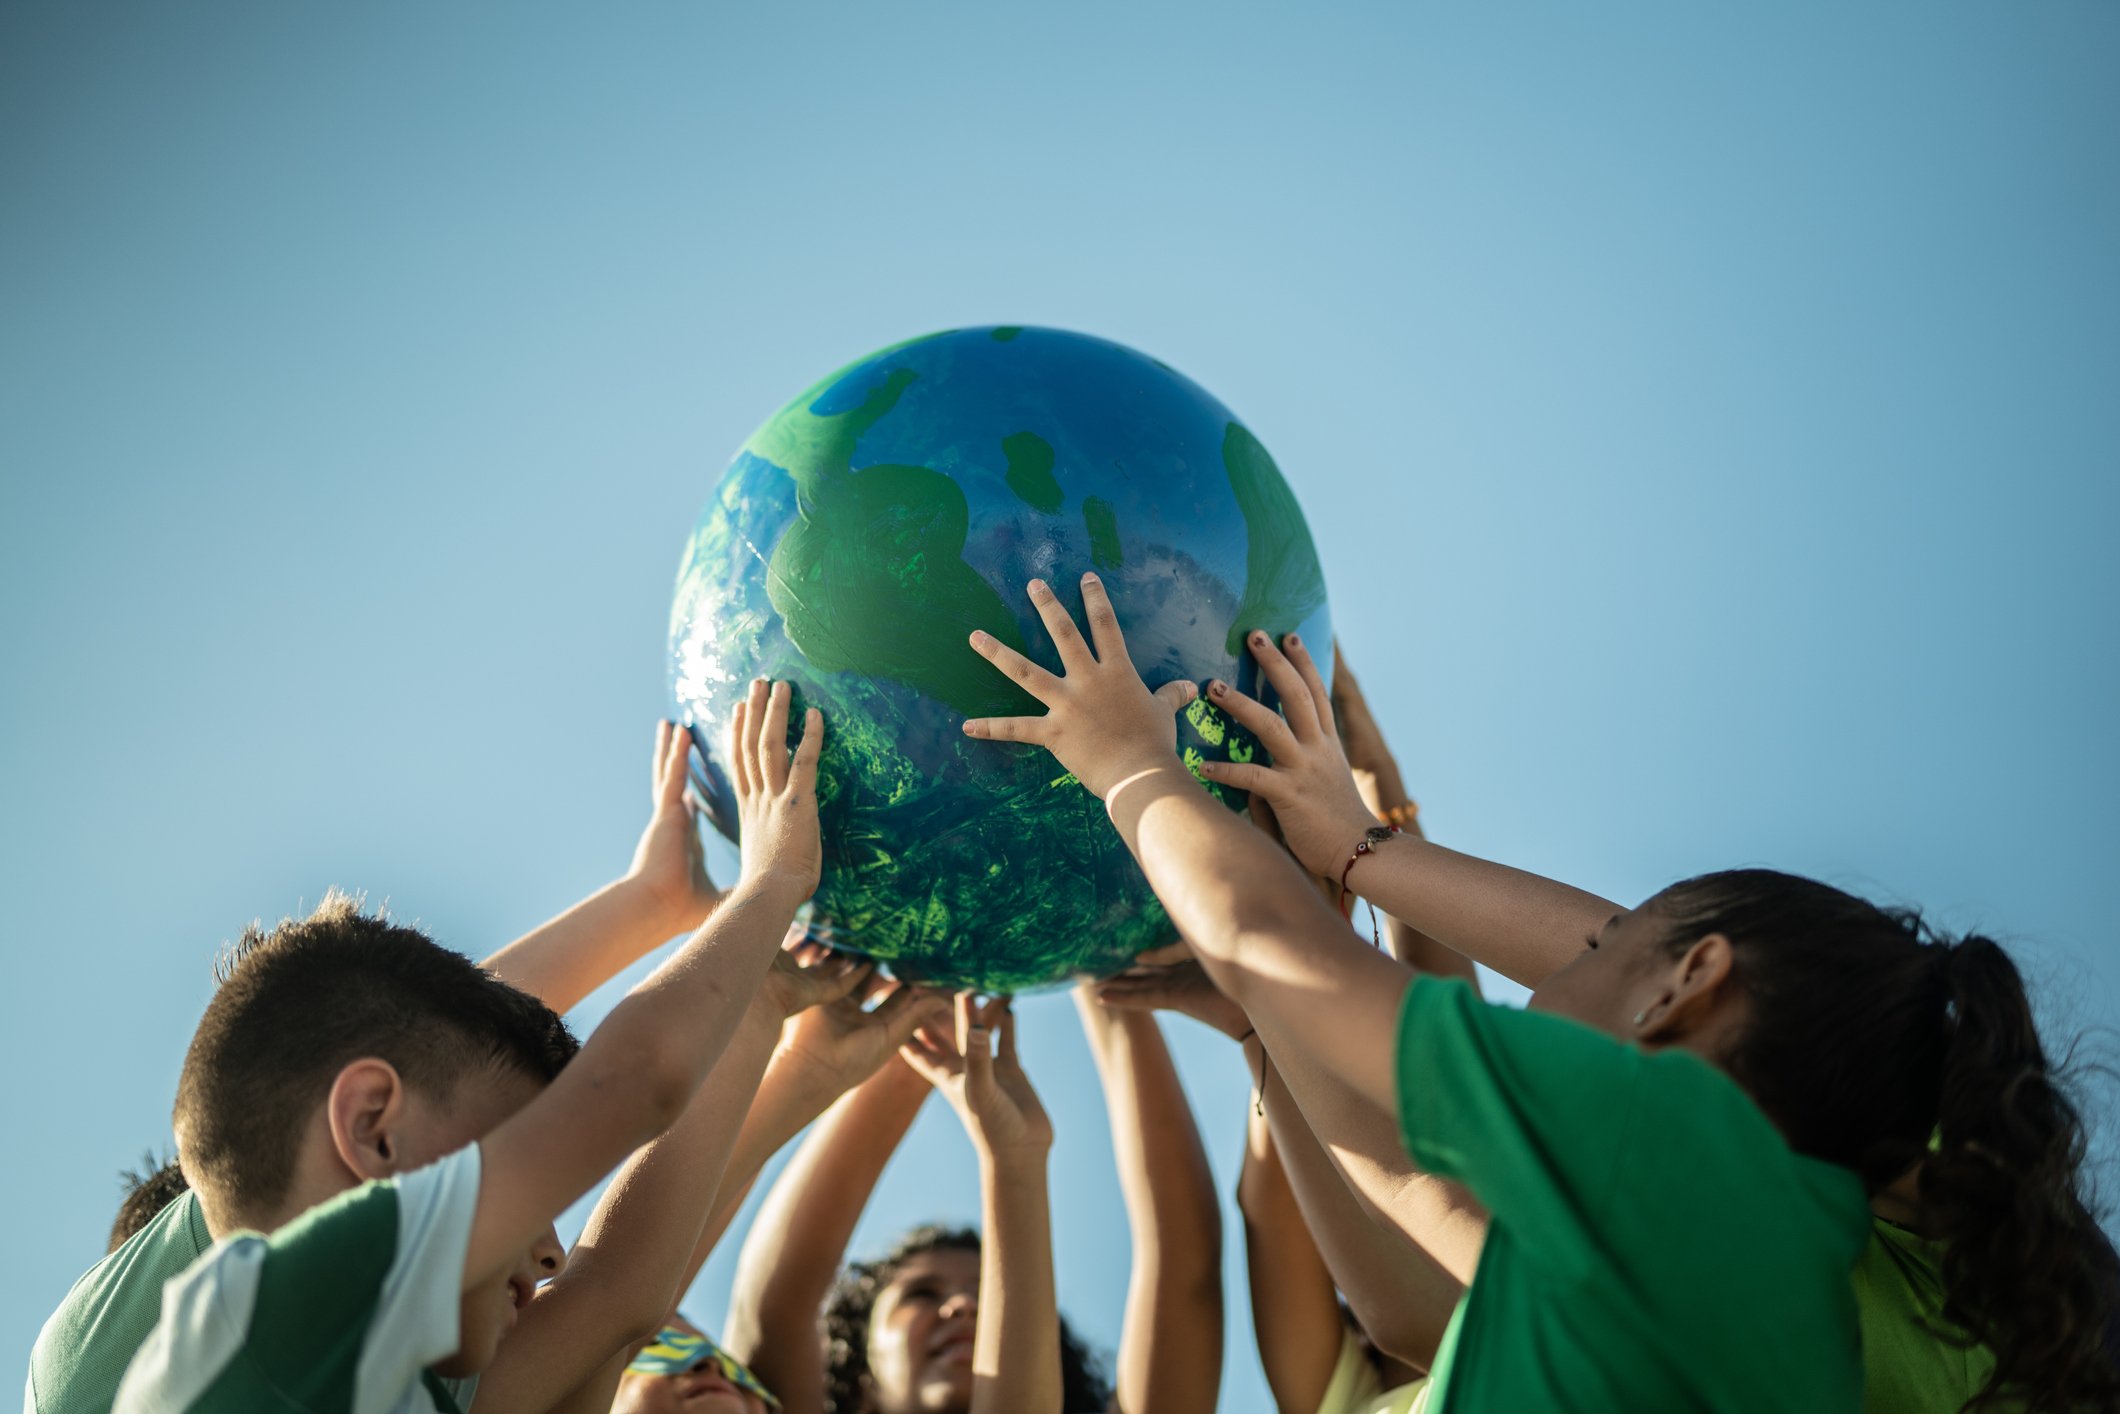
<point>783,891</point>
<point>1016,1162</point>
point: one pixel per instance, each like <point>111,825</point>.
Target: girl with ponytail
<point>1678,1157</point>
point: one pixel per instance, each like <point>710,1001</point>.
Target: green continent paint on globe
<point>867,529</point>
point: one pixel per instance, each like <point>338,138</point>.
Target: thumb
<point>1177,694</point>
<point>903,1013</point>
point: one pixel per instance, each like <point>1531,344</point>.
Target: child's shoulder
<point>361,1287</point>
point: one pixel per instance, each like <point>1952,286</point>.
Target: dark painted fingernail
<point>1217,688</point>
<point>1258,638</point>
<point>1294,642</point>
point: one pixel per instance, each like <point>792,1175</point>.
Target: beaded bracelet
<point>1371,838</point>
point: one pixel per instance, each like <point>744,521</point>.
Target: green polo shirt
<point>342,1309</point>
<point>84,1347</point>
<point>1655,1244</point>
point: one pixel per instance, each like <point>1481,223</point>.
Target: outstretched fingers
<point>1306,668</point>
<point>1296,703</point>
<point>772,765</point>
<point>1260,720</point>
<point>1030,729</point>
<point>1074,653</point>
<point>1103,621</point>
<point>1027,675</point>
<point>739,751</point>
<point>802,774</point>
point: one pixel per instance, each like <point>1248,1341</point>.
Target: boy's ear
<point>366,1111</point>
<point>1694,992</point>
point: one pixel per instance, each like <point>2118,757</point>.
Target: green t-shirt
<point>344,1308</point>
<point>1909,1368</point>
<point>1655,1245</point>
<point>83,1349</point>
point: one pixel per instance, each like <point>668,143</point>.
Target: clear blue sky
<point>1711,423</point>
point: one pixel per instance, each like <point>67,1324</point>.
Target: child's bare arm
<point>627,1272</point>
<point>1400,1294</point>
<point>1015,1343</point>
<point>665,892</point>
<point>800,1235</point>
<point>1170,1345</point>
<point>823,1053</point>
<point>642,1066</point>
<point>1295,1314</point>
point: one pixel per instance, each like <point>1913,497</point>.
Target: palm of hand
<point>1183,987</point>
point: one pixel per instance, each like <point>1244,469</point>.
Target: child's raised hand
<point>1309,786</point>
<point>989,1091</point>
<point>1101,721</point>
<point>809,976</point>
<point>1183,987</point>
<point>839,1045</point>
<point>776,795</point>
<point>670,862</point>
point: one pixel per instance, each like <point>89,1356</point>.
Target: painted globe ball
<point>864,532</point>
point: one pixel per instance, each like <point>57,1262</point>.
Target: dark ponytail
<point>1877,1045</point>
<point>2025,1269</point>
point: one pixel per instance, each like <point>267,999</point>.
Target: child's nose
<point>960,1303</point>
<point>550,1255</point>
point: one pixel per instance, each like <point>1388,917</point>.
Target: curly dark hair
<point>1084,1386</point>
<point>1881,1045</point>
<point>156,1184</point>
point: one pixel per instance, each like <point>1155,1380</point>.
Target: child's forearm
<point>633,1078</point>
<point>628,1270</point>
<point>1400,1295</point>
<point>1522,925</point>
<point>787,1099</point>
<point>800,1234</point>
<point>1295,1313</point>
<point>565,959</point>
<point>1016,1346</point>
<point>1170,1344</point>
<point>1265,936</point>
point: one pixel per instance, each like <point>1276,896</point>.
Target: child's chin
<point>474,1355</point>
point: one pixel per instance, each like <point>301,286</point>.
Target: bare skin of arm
<point>1383,790</point>
<point>1400,1295</point>
<point>1362,1142</point>
<point>624,1275</point>
<point>1170,1344</point>
<point>639,1071</point>
<point>1295,1313</point>
<point>1266,938</point>
<point>799,1238</point>
<point>1015,1345</point>
<point>665,892</point>
<point>821,1053</point>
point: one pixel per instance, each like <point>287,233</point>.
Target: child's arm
<point>822,1054</point>
<point>799,1237</point>
<point>629,1268</point>
<point>642,1066</point>
<point>1016,1343</point>
<point>1170,1346</point>
<point>1400,1294</point>
<point>1361,1140</point>
<point>1294,1312</point>
<point>1383,790</point>
<point>1521,925</point>
<point>664,893</point>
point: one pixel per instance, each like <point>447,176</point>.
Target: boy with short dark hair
<point>364,1300</point>
<point>85,1346</point>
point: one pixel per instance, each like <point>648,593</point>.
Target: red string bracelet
<point>1371,838</point>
